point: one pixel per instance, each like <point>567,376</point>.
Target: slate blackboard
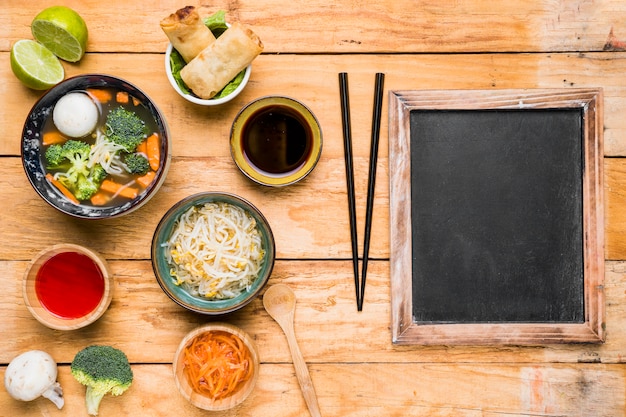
<point>500,238</point>
<point>497,215</point>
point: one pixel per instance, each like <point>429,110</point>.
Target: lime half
<point>35,66</point>
<point>61,30</point>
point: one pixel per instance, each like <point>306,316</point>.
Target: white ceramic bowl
<point>197,100</point>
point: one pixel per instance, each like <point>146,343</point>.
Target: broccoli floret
<point>84,189</point>
<point>73,156</point>
<point>103,369</point>
<point>88,186</point>
<point>55,155</point>
<point>98,174</point>
<point>72,159</point>
<point>136,163</point>
<point>125,128</point>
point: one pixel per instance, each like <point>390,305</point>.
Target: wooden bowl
<point>57,290</point>
<point>205,402</point>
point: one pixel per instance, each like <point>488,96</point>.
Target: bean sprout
<point>107,154</point>
<point>215,251</point>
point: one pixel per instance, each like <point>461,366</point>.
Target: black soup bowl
<point>108,93</point>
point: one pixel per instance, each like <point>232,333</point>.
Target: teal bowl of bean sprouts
<point>212,253</point>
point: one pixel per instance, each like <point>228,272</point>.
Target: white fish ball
<point>75,115</point>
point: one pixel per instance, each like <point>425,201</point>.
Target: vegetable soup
<point>102,155</point>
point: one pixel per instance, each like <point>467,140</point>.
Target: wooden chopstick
<point>371,182</point>
<point>347,146</point>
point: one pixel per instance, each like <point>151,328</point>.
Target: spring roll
<point>187,32</point>
<point>221,61</point>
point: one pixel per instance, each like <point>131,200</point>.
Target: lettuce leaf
<point>232,85</point>
<point>176,64</point>
<point>217,23</point>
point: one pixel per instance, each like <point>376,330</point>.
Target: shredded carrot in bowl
<point>217,364</point>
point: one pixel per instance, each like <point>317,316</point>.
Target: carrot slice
<point>100,198</point>
<point>119,189</point>
<point>153,151</point>
<point>67,193</point>
<point>103,96</point>
<point>142,148</point>
<point>52,138</point>
<point>121,97</point>
<point>146,179</point>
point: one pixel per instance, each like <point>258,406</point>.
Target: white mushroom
<point>31,375</point>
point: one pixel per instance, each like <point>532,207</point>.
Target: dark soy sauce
<point>277,140</point>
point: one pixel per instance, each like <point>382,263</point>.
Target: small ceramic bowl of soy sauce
<point>276,141</point>
<point>67,286</point>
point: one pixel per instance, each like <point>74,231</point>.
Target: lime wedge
<point>61,30</point>
<point>35,66</point>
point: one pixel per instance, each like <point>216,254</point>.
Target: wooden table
<point>355,368</point>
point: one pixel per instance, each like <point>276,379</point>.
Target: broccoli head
<point>104,370</point>
<point>72,160</point>
<point>98,174</point>
<point>89,185</point>
<point>73,156</point>
<point>55,155</point>
<point>125,128</point>
<point>136,163</point>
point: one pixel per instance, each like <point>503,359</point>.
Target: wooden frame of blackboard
<point>405,329</point>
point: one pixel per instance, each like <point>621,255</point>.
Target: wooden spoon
<point>280,302</point>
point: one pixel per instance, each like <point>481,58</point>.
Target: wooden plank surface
<point>204,132</point>
<point>350,26</point>
<point>348,390</point>
<point>369,376</point>
<point>325,310</point>
<point>199,131</point>
<point>424,44</point>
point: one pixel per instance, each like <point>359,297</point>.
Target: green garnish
<point>217,24</point>
<point>232,85</point>
<point>176,64</point>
